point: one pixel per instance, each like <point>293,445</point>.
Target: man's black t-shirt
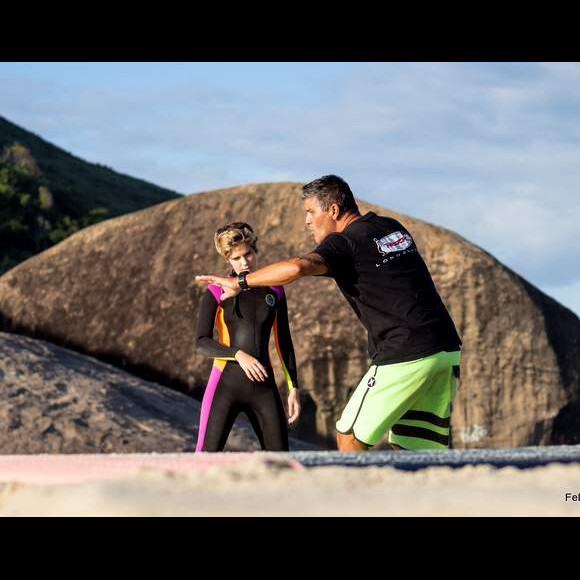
<point>378,268</point>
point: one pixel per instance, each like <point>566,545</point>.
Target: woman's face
<point>243,258</point>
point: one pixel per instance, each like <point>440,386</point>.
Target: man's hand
<point>230,285</point>
<point>276,274</point>
<point>293,406</point>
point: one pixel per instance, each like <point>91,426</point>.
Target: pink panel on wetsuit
<point>216,291</point>
<point>278,290</point>
<point>208,396</point>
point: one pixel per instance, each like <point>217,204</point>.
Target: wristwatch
<point>242,281</point>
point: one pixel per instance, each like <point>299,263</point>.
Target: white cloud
<point>489,150</point>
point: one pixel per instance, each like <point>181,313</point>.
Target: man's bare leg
<point>350,443</point>
<point>393,447</point>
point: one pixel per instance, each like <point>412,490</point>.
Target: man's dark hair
<point>331,189</point>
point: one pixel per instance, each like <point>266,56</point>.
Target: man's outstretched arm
<point>276,274</point>
<point>286,271</point>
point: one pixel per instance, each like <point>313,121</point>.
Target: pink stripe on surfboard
<point>61,469</point>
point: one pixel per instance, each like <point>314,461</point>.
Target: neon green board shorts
<point>410,400</point>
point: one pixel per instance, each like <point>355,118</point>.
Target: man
<point>413,343</point>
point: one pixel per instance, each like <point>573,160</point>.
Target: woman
<point>242,378</point>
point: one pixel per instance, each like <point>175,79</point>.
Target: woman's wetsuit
<point>244,323</point>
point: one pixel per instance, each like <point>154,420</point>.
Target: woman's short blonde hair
<point>233,234</point>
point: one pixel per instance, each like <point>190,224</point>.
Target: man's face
<point>319,222</point>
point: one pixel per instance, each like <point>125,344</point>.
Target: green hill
<point>46,194</point>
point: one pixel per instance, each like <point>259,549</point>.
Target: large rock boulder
<point>53,400</point>
<point>123,291</point>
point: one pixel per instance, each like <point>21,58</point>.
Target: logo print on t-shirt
<point>270,300</point>
<point>395,242</point>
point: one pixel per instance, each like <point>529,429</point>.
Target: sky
<point>488,150</point>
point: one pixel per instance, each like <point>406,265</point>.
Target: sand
<point>267,486</point>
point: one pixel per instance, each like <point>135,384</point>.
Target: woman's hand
<point>252,366</point>
<point>230,285</point>
<point>293,406</point>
